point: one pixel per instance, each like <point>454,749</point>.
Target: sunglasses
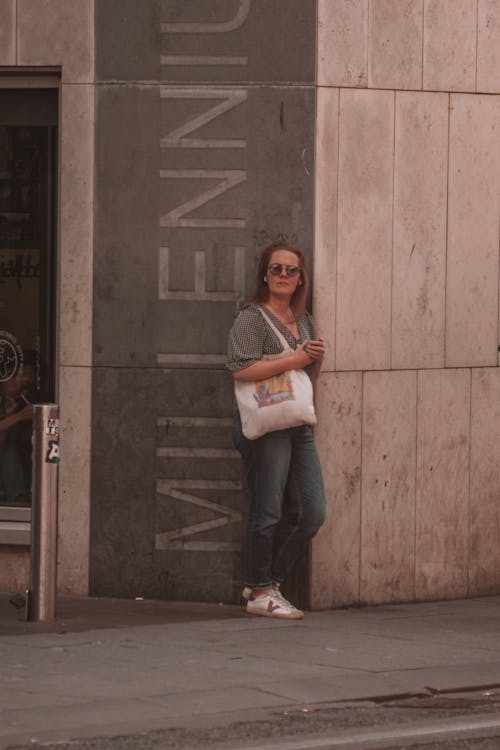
<point>276,268</point>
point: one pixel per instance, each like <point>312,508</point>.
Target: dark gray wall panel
<point>126,224</point>
<point>193,178</point>
<point>134,428</point>
<point>265,40</point>
<point>128,38</point>
<point>278,163</point>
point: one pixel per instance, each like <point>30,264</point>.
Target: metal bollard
<point>43,570</point>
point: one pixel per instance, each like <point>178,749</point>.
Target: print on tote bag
<point>274,390</point>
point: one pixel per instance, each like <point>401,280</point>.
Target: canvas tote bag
<point>278,402</point>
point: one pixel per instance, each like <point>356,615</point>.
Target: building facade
<point>186,137</point>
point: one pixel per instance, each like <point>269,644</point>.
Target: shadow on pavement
<point>78,614</point>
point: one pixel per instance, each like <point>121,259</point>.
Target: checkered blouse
<point>251,337</point>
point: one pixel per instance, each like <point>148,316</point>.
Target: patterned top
<point>251,337</point>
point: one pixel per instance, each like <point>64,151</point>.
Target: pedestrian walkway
<point>110,667</point>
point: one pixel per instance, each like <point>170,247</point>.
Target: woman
<point>287,505</point>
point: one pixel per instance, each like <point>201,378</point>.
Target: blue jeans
<point>287,500</point>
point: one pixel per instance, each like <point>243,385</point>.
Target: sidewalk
<point>112,667</point>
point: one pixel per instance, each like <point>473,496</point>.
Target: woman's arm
<point>266,368</point>
<point>19,416</point>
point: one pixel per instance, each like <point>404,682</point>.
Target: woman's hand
<point>301,356</point>
<point>316,349</point>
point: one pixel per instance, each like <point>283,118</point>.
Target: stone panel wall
<point>407,228</point>
<point>204,151</point>
<point>418,45</point>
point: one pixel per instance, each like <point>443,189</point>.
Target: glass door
<point>28,169</point>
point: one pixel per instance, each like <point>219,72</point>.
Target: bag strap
<point>284,343</point>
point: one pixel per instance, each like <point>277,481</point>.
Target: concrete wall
<point>60,33</point>
<point>407,233</point>
<point>204,154</point>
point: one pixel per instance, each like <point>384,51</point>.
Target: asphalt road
<point>442,722</point>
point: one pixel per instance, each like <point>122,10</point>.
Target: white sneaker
<point>272,605</point>
<point>279,595</point>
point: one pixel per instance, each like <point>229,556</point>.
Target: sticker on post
<point>53,452</point>
<point>52,427</point>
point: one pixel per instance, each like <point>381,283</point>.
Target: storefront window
<point>27,279</point>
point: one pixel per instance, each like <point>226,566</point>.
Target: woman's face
<point>282,284</point>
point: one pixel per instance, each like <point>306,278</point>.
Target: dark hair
<point>298,301</point>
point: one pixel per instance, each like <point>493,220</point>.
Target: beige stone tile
<point>325,244</point>
<point>342,43</point>
<point>450,45</point>
<point>57,32</point>
<point>14,568</point>
<point>336,548</point>
<point>388,486</point>
<point>75,392</point>
<point>420,205</point>
<point>473,231</point>
<point>442,507</point>
<point>7,32</point>
<point>395,44</point>
<point>484,552</point>
<point>364,250</point>
<point>77,159</point>
<point>488,46</point>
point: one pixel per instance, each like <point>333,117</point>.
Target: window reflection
<point>16,413</point>
<point>26,202</point>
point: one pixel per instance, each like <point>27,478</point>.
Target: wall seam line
<point>477,43</point>
<point>368,12</point>
<point>415,560</point>
<point>391,326</point>
<point>337,201</point>
<point>272,85</point>
<point>498,293</point>
<point>16,32</point>
<point>469,485</point>
<point>423,46</point>
<point>316,45</point>
<point>447,235</point>
<point>361,462</point>
<point>93,47</point>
